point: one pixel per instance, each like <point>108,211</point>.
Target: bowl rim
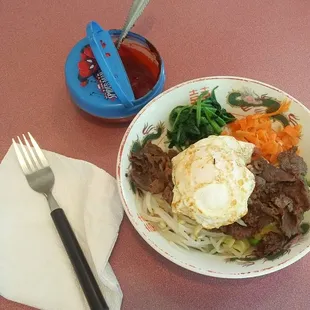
<point>239,275</point>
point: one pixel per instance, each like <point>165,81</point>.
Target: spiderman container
<point>109,83</point>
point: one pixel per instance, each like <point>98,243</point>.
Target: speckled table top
<point>264,40</point>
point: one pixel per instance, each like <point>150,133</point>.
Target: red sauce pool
<point>142,71</point>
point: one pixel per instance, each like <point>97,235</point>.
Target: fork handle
<point>86,278</point>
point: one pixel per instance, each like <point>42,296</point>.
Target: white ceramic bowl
<point>239,96</point>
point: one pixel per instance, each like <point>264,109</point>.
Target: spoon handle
<point>136,10</point>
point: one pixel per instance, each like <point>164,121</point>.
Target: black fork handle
<point>85,276</point>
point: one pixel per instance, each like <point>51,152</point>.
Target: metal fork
<point>41,179</point>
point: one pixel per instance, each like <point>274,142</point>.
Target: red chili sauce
<point>142,71</point>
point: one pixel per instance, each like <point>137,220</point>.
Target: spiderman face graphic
<point>88,65</point>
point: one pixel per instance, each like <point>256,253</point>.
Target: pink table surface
<point>265,40</point>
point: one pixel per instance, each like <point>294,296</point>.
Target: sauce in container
<point>141,70</point>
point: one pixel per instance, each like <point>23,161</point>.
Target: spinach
<point>191,123</point>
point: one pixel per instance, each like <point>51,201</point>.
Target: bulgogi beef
<point>292,163</point>
<point>238,231</point>
<point>270,244</point>
<point>281,196</point>
<point>151,170</point>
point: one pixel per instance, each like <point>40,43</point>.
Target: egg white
<point>212,184</point>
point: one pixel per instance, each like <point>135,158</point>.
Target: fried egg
<point>212,184</point>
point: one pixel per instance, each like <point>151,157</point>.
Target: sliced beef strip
<point>168,193</point>
<point>153,149</point>
<point>259,165</point>
<point>237,231</point>
<point>282,201</point>
<point>151,170</point>
<point>274,174</point>
<point>270,210</point>
<point>157,186</point>
<point>172,153</point>
<point>269,172</point>
<point>271,243</point>
<point>141,180</point>
<point>260,183</point>
<point>265,220</point>
<point>290,162</point>
<point>256,218</point>
<point>253,215</point>
<point>299,193</point>
<point>287,206</point>
<point>290,224</point>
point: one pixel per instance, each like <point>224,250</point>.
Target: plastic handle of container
<point>92,30</point>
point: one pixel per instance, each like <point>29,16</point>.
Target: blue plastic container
<point>92,92</point>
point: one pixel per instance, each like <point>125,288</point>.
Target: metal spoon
<point>136,10</point>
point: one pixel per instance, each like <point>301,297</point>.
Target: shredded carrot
<point>258,130</point>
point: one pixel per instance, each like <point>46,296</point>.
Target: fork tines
<point>31,158</point>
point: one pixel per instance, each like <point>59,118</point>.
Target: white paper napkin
<point>34,267</point>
